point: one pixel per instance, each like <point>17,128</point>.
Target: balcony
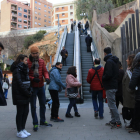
<point>13,26</point>
<point>14,20</point>
<point>29,18</point>
<point>14,14</point>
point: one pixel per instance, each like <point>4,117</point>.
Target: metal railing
<point>58,57</point>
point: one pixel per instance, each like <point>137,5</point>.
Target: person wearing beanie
<point>37,73</point>
<point>110,83</point>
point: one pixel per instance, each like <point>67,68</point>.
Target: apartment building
<point>15,15</point>
<point>41,13</point>
<point>66,13</point>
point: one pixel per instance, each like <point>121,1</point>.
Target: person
<point>2,98</point>
<point>72,26</point>
<point>72,83</point>
<point>20,93</point>
<point>74,22</point>
<point>135,85</point>
<point>55,87</point>
<point>37,70</point>
<point>128,94</point>
<point>88,41</point>
<point>94,78</point>
<point>79,27</point>
<point>110,83</point>
<point>119,95</point>
<point>7,81</point>
<point>64,54</point>
<point>86,25</point>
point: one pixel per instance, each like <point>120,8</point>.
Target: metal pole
<point>58,28</point>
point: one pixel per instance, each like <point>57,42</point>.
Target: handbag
<point>72,92</point>
<point>5,85</point>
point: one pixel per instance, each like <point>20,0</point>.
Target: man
<point>2,98</point>
<point>64,54</point>
<point>94,78</point>
<point>71,26</point>
<point>88,41</point>
<point>37,70</point>
<point>110,83</point>
<point>79,27</point>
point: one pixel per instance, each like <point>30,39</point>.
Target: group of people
<point>120,86</point>
<point>83,30</point>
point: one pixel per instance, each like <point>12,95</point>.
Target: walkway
<point>84,128</point>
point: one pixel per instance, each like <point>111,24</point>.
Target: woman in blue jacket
<point>55,86</point>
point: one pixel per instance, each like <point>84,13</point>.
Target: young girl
<point>72,85</point>
<point>21,93</point>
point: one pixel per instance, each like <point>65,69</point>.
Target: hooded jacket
<point>55,78</point>
<point>42,72</point>
<point>20,94</point>
<point>95,83</point>
<point>111,72</point>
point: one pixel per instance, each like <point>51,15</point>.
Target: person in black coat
<point>64,54</point>
<point>119,97</point>
<point>79,27</point>
<point>71,26</point>
<point>88,41</point>
<point>135,85</point>
<point>21,93</point>
<point>86,25</point>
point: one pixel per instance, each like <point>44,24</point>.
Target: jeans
<point>64,61</point>
<point>72,104</point>
<point>40,92</point>
<point>5,93</point>
<point>118,100</point>
<point>112,105</point>
<point>99,95</point>
<point>55,103</point>
<point>21,117</point>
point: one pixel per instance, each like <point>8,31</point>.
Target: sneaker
<point>96,114</point>
<point>58,120</point>
<point>132,131</point>
<point>45,123</point>
<point>110,124</point>
<point>128,127</point>
<point>35,128</point>
<point>118,125</point>
<point>27,133</point>
<point>21,134</point>
<point>77,114</point>
<point>68,116</point>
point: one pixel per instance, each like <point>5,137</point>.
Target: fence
<point>130,37</point>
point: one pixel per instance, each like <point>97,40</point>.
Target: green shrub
<point>42,31</point>
<point>38,36</point>
<point>110,27</point>
<point>8,68</point>
<point>28,41</point>
<point>2,66</point>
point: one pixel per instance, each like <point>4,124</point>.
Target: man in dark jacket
<point>110,83</point>
<point>94,78</point>
<point>88,41</point>
<point>79,27</point>
<point>2,98</point>
<point>37,70</point>
<point>64,54</point>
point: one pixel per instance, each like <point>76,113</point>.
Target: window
<point>63,21</point>
<point>45,16</point>
<point>45,10</point>
<point>45,25</point>
<point>63,14</point>
<point>49,12</point>
<point>49,21</point>
<point>39,3</point>
<point>20,14</point>
<point>19,8</point>
<point>49,17</point>
<point>45,20</point>
<point>25,21</point>
<point>71,7</point>
<point>36,2</point>
<point>39,8</point>
<point>39,23</point>
<point>49,7</point>
<point>57,15</point>
<point>19,26</point>
<point>39,13</point>
<point>19,20</point>
<point>35,12</point>
<point>45,6</point>
<point>57,9</point>
<point>25,10</point>
<point>25,16</point>
<point>39,18</point>
<point>35,7</point>
<point>35,17</point>
<point>35,22</point>
<point>25,27</point>
<point>71,13</point>
<point>63,8</point>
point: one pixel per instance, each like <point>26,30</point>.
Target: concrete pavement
<point>84,128</point>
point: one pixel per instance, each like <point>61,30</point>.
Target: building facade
<point>66,13</point>
<point>15,15</point>
<point>41,13</point>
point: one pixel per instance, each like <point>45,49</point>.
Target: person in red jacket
<point>94,78</point>
<point>37,70</point>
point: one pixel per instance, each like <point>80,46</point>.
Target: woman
<point>55,86</point>
<point>135,85</point>
<point>128,94</point>
<point>21,93</point>
<point>7,82</point>
<point>72,86</point>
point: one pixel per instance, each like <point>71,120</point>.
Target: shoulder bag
<point>72,92</point>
